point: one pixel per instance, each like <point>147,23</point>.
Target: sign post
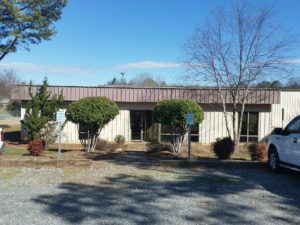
<point>189,122</point>
<point>60,118</point>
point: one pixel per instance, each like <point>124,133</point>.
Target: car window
<point>294,126</point>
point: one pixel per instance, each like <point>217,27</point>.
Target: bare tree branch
<point>234,50</point>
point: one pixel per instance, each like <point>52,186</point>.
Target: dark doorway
<point>141,125</point>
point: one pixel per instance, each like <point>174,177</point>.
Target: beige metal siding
<point>70,133</point>
<point>264,122</point>
<point>120,125</point>
<point>213,126</point>
<point>290,102</point>
<point>23,111</point>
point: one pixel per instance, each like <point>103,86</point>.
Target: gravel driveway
<point>111,193</point>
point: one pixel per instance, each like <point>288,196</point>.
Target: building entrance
<point>141,125</point>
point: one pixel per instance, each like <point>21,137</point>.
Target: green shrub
<point>40,109</point>
<point>223,148</point>
<point>173,112</point>
<point>258,151</point>
<point>119,139</point>
<point>92,114</point>
<point>154,147</point>
<point>35,147</point>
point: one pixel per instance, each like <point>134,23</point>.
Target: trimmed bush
<point>35,147</point>
<point>258,151</point>
<point>173,112</point>
<point>92,114</point>
<point>154,147</point>
<point>119,139</point>
<point>223,148</point>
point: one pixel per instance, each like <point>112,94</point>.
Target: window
<point>165,134</point>
<point>249,131</point>
<point>294,126</point>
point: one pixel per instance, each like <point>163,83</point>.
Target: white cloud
<point>34,68</point>
<point>148,65</point>
<point>293,61</point>
<point>47,69</point>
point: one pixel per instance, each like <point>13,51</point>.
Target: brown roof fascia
<point>202,95</point>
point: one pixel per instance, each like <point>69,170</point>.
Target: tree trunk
<point>177,141</point>
<point>90,141</point>
<point>234,130</point>
<point>223,100</point>
<point>242,114</point>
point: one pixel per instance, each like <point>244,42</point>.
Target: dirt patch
<point>44,163</point>
<point>212,163</point>
<point>73,153</point>
<point>204,151</point>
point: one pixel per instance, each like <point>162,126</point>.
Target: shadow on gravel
<point>138,159</point>
<point>209,197</point>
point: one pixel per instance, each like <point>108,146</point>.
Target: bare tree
<point>8,79</point>
<point>147,80</point>
<point>143,79</point>
<point>235,49</point>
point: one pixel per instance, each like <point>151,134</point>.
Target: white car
<point>284,146</point>
<point>1,141</point>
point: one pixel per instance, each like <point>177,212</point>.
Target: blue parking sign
<point>190,118</point>
<point>60,116</point>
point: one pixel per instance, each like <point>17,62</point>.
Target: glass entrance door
<point>141,123</point>
<point>136,118</point>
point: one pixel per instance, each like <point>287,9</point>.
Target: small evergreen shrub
<point>154,147</point>
<point>223,148</point>
<point>35,147</point>
<point>258,151</point>
<point>119,139</point>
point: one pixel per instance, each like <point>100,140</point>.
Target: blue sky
<point>96,40</point>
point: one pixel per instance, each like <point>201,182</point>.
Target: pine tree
<point>40,110</point>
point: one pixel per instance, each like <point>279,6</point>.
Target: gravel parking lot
<point>110,193</point>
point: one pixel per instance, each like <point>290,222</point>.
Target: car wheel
<point>273,160</point>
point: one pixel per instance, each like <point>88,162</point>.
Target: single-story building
<point>265,109</point>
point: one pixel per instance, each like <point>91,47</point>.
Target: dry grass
<point>8,173</point>
<point>109,146</point>
<point>205,151</point>
<point>74,152</point>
